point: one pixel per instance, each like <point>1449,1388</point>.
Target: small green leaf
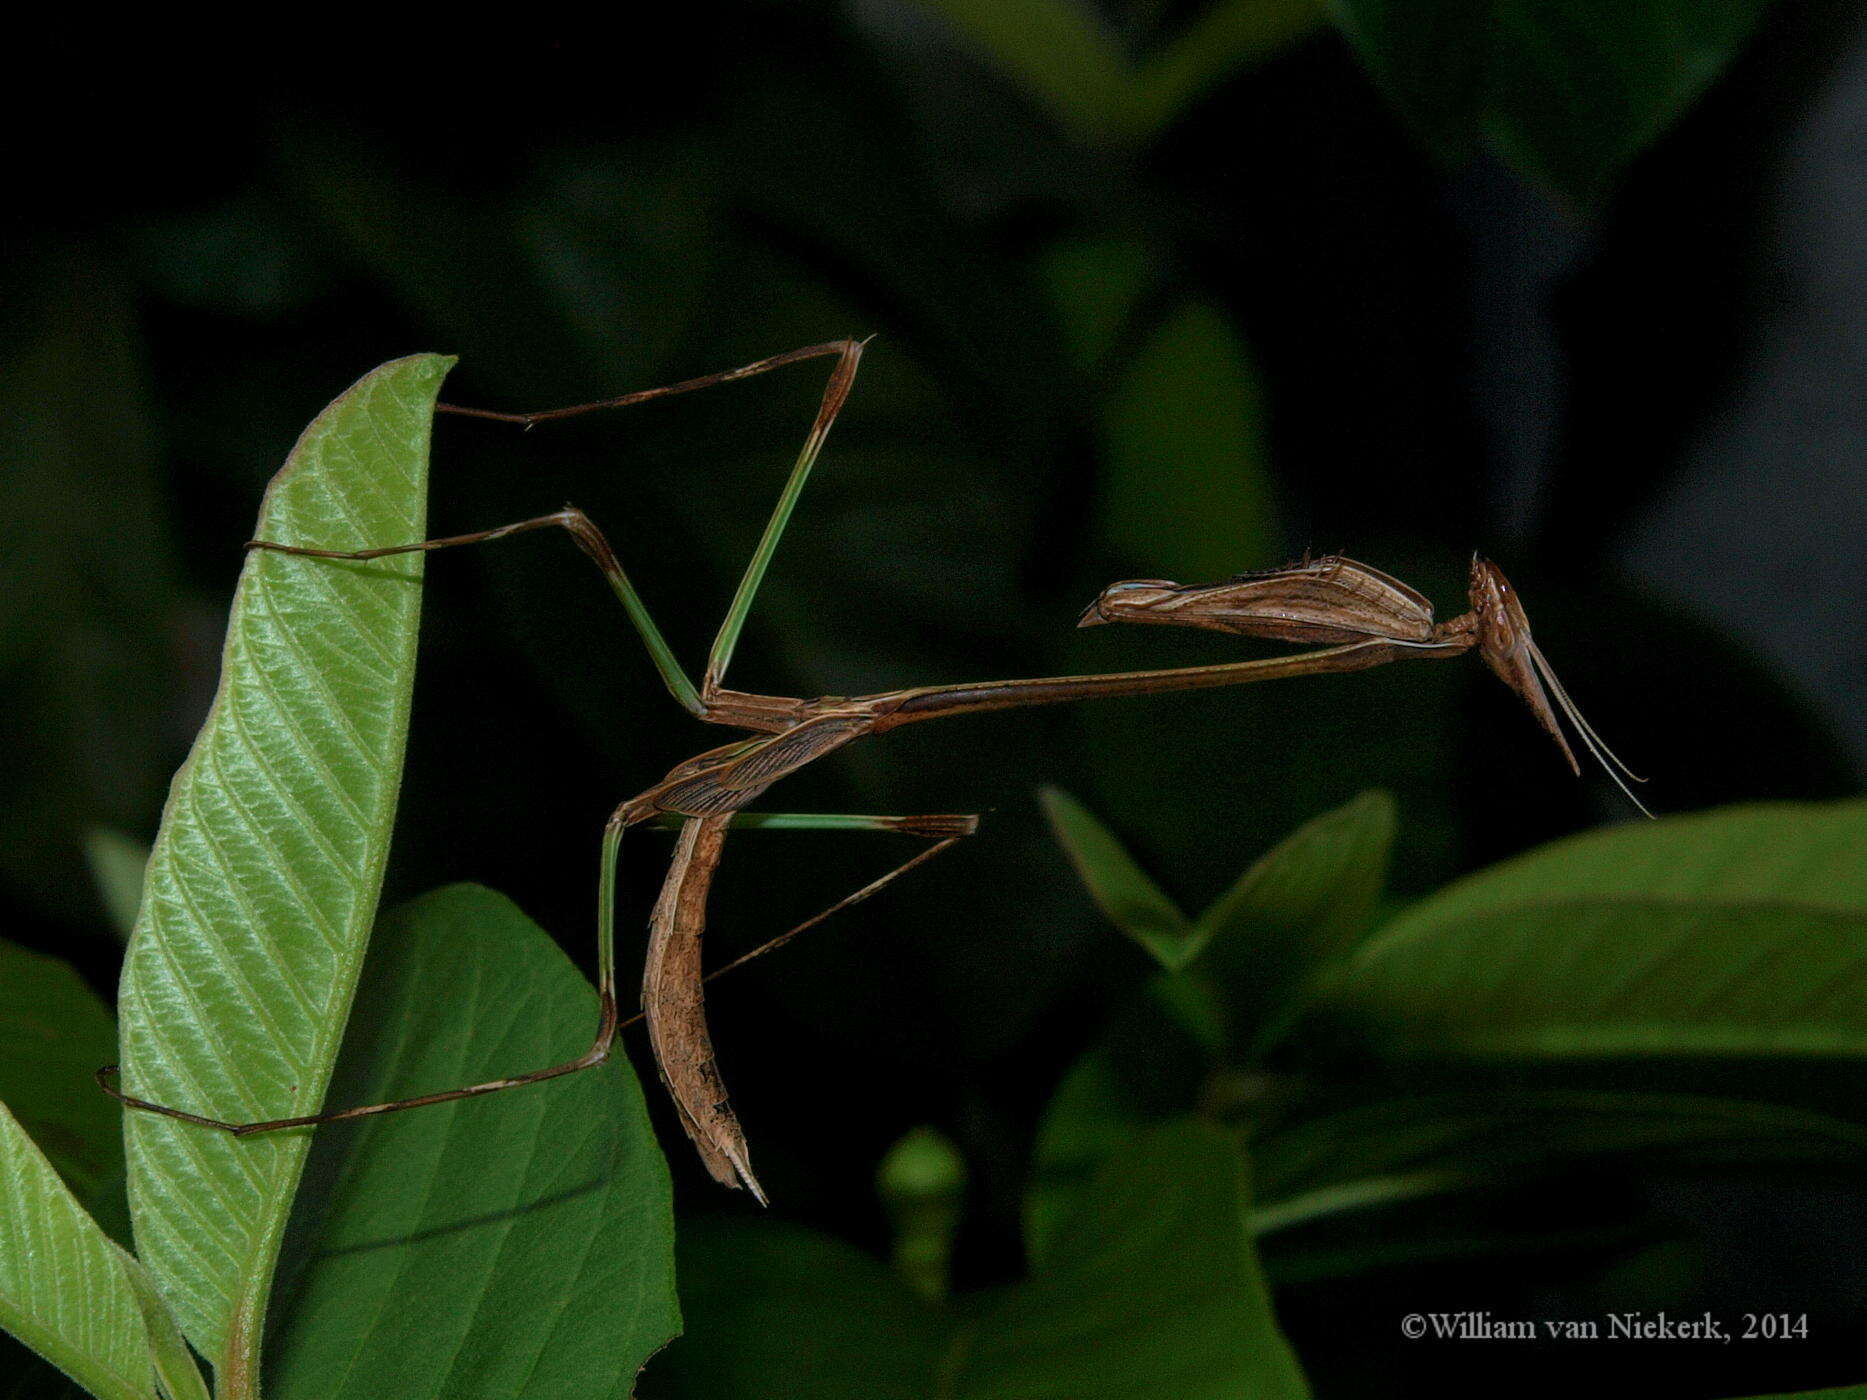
<point>516,1245</point>
<point>64,1288</point>
<point>1293,917</point>
<point>1246,969</point>
<point>1226,36</point>
<point>1066,59</point>
<point>263,883</point>
<point>117,866</point>
<point>1059,52</point>
<point>1151,1290</point>
<point>1120,888</point>
<point>1568,90</point>
<point>54,1034</point>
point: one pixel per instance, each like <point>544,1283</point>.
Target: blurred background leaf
<point>1151,1288</point>
<point>1570,91</point>
<point>54,1034</point>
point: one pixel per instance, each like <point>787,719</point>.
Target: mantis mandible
<point>1359,617</point>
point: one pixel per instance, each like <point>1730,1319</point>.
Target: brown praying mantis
<point>1357,617</point>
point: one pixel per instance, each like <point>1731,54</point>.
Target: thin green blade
<point>518,1245</point>
<point>263,883</point>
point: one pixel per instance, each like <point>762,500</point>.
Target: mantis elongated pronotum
<point>1360,616</point>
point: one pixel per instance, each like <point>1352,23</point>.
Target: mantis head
<point>1505,643</point>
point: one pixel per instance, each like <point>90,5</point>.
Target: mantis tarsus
<point>1360,616</point>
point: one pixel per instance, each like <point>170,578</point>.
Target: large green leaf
<point>1422,1144</point>
<point>1787,852</point>
<point>263,883</point>
<point>517,1245</point>
<point>1570,90</point>
<point>1739,932</point>
<point>67,1291</point>
<point>54,1033</point>
<point>1152,1290</point>
<point>1621,977</point>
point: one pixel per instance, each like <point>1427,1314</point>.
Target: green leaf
<point>177,1375</point>
<point>1149,1065</point>
<point>1840,1392</point>
<point>1405,1147</point>
<point>264,879</point>
<point>1293,917</point>
<point>1185,481</point>
<point>1245,971</point>
<point>1788,852</point>
<point>1068,62</point>
<point>1568,90</point>
<point>65,1289</point>
<point>1152,1290</point>
<point>1059,52</point>
<point>1737,932</point>
<point>54,1033</point>
<point>1620,977</point>
<point>516,1245</point>
<point>117,866</point>
<point>1226,36</point>
<point>1120,888</point>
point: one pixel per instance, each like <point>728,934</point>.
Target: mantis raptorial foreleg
<point>943,830</point>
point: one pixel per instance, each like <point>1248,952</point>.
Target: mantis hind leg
<point>943,830</point>
<point>590,540</point>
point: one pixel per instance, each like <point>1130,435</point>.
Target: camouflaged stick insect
<point>1335,599</point>
<point>1367,618</point>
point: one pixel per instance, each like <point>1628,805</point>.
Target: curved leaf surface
<point>513,1246</point>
